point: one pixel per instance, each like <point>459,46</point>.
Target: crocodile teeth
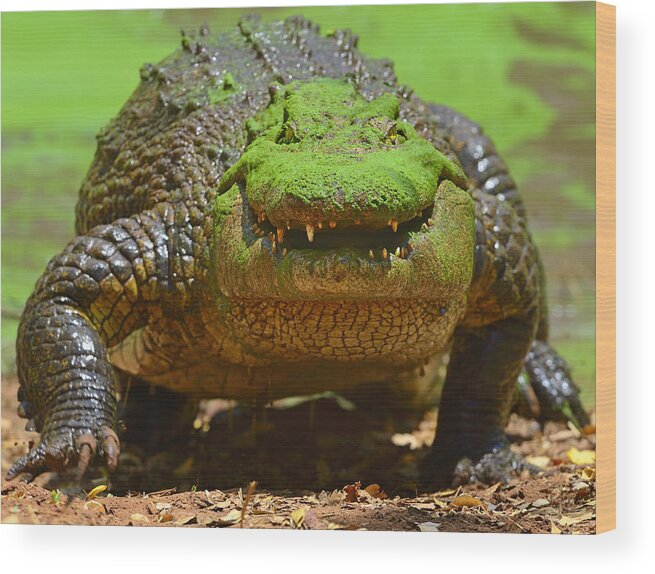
<point>310,232</point>
<point>394,224</point>
<point>332,224</point>
<point>424,227</point>
<point>284,252</point>
<point>370,254</point>
<point>280,234</point>
<point>385,253</point>
<point>397,253</point>
<point>430,222</point>
<point>320,225</point>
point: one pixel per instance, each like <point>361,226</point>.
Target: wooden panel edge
<point>605,267</point>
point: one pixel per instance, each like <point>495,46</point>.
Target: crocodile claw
<point>68,451</point>
<point>498,466</point>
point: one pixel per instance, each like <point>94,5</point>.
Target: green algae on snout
<point>324,153</point>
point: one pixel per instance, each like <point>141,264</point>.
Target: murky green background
<point>526,72</point>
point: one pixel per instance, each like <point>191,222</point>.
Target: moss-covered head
<point>338,198</point>
<point>322,154</point>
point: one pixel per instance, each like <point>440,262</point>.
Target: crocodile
<point>272,214</point>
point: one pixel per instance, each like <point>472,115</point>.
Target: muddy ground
<point>307,466</point>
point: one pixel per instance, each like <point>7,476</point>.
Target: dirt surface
<point>308,466</point>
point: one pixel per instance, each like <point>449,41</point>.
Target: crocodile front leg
<point>477,397</point>
<point>89,298</point>
<point>489,348</point>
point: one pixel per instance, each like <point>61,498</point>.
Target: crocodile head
<point>336,198</point>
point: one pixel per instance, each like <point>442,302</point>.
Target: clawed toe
<point>501,465</point>
<point>74,453</point>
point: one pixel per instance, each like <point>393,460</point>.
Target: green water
<point>526,72</point>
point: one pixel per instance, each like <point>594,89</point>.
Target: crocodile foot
<point>68,450</point>
<point>498,466</point>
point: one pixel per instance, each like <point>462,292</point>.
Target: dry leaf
<point>429,526</point>
<point>493,488</point>
<point>139,518</point>
<point>581,456</point>
<point>298,517</point>
<point>466,501</point>
<point>589,429</point>
<point>423,505</point>
<point>94,505</point>
<point>163,506</point>
<point>541,502</point>
<point>375,491</point>
<point>538,461</point>
<point>96,491</point>
<point>165,517</point>
<point>554,529</point>
<point>190,519</point>
<point>231,517</point>
<point>443,493</point>
<point>588,473</point>
<point>568,520</point>
<point>351,491</point>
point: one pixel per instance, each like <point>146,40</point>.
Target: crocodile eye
<point>287,136</point>
<point>395,136</point>
<point>392,136</point>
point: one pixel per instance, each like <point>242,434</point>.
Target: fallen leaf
<point>568,520</point>
<point>95,506</point>
<point>351,491</point>
<point>493,488</point>
<point>589,429</point>
<point>96,491</point>
<point>165,517</point>
<point>375,491</point>
<point>190,519</point>
<point>231,517</point>
<point>163,506</point>
<point>139,518</point>
<point>443,493</point>
<point>538,461</point>
<point>466,501</point>
<point>588,473</point>
<point>298,517</point>
<point>554,529</point>
<point>423,505</point>
<point>581,456</point>
<point>541,502</point>
<point>429,526</point>
<point>562,435</point>
<point>335,526</point>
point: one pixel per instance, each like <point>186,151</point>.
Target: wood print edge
<point>606,266</point>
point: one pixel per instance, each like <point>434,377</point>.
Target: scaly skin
<point>270,215</point>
